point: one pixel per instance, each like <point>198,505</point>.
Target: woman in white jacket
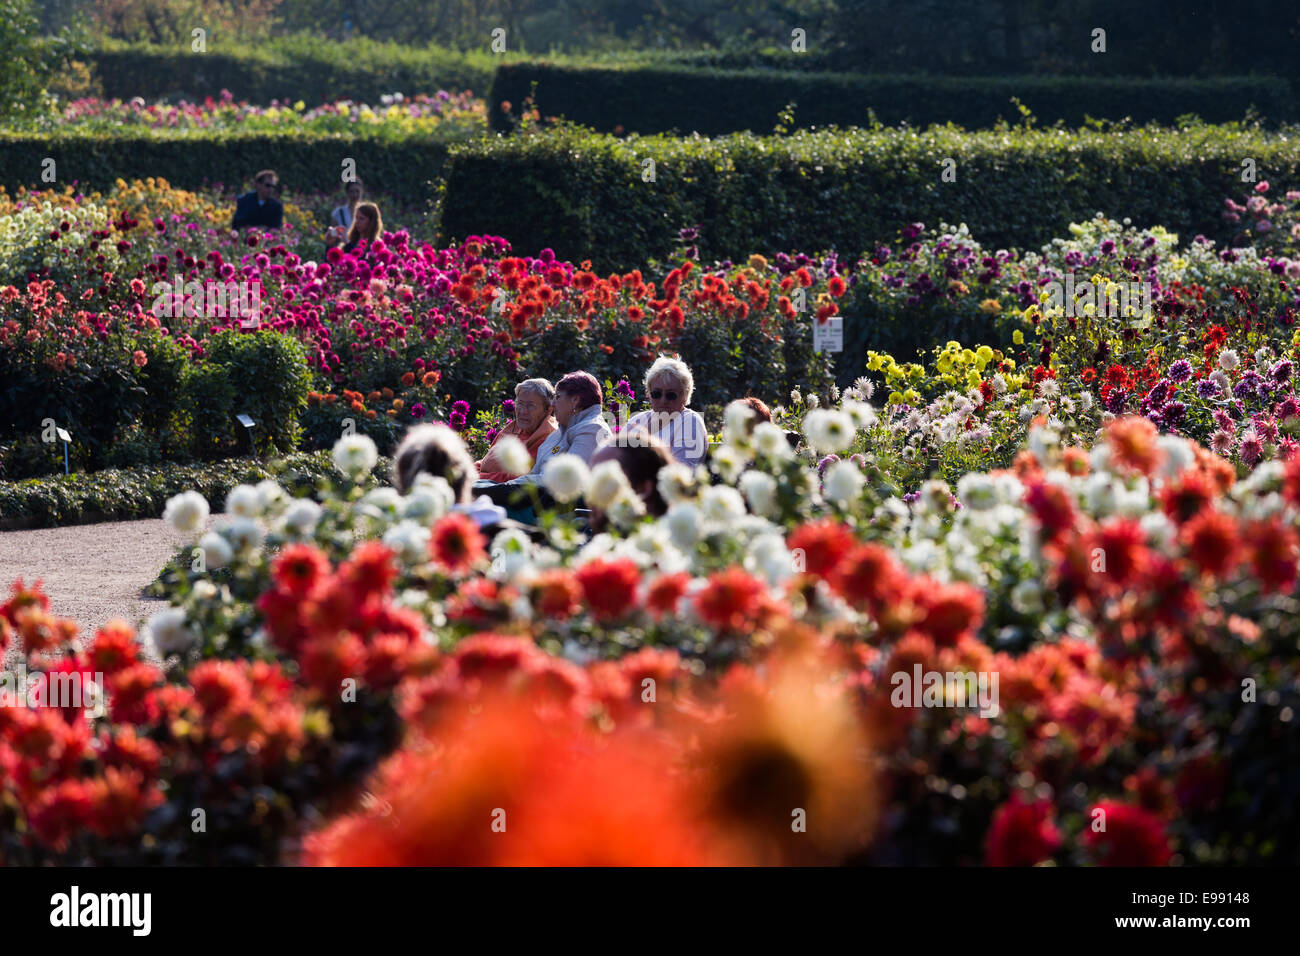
<point>670,385</point>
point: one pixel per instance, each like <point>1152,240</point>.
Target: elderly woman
<point>670,385</point>
<point>533,424</point>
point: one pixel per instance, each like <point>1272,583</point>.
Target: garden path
<point>91,572</point>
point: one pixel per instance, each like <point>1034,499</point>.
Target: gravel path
<point>93,572</point>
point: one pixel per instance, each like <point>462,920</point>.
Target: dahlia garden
<point>1009,580</point>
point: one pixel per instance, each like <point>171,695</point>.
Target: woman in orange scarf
<point>534,402</point>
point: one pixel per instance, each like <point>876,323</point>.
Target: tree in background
<point>31,59</point>
<point>171,21</point>
<point>959,37</point>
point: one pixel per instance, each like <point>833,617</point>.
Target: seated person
<point>761,412</point>
<point>439,451</point>
<point>580,414</point>
<point>640,455</point>
<point>366,224</point>
<point>341,217</point>
<point>670,384</point>
<point>260,207</point>
<point>532,425</point>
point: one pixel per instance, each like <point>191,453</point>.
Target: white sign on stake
<point>63,434</point>
<point>828,336</point>
<point>245,421</point>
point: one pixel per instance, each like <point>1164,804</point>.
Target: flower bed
<point>430,326</point>
<point>1120,617</point>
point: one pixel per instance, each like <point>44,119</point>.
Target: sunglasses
<point>660,393</point>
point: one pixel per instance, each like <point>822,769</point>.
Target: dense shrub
<point>264,376</point>
<point>583,194</point>
<point>123,380</point>
<point>400,165</point>
<point>290,68</point>
<point>124,494</point>
<point>660,98</point>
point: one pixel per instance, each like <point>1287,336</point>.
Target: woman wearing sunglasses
<point>670,385</point>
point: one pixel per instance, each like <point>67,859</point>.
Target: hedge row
<point>124,494</point>
<point>658,98</point>
<point>399,166</point>
<point>289,69</point>
<point>583,194</point>
<point>316,69</point>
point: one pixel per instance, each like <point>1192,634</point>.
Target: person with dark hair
<point>641,456</point>
<point>434,450</point>
<point>260,207</point>
<point>579,412</point>
<point>438,451</point>
<point>341,217</point>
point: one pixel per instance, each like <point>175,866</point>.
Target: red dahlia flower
<point>609,587</point>
<point>298,568</point>
<point>731,599</point>
<point>1022,833</point>
<point>822,544</point>
<point>665,593</point>
<point>1272,554</point>
<point>1132,836</point>
<point>1213,542</point>
<point>457,544</point>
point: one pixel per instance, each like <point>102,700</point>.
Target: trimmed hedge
<point>292,68</point>
<point>399,166</point>
<point>316,69</point>
<point>582,193</point>
<point>119,414</point>
<point>657,98</point>
<point>123,494</point>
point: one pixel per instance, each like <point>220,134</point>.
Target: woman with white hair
<point>532,425</point>
<point>670,385</point>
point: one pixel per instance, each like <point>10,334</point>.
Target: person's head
<point>534,399</point>
<point>438,451</point>
<point>354,191</point>
<point>266,183</point>
<point>366,223</point>
<point>575,393</point>
<point>641,456</point>
<point>761,412</point>
<point>670,384</point>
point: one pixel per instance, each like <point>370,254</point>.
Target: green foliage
<point>261,375</point>
<point>142,492</point>
<point>658,98</point>
<point>582,193</point>
<point>323,425</point>
<point>398,165</point>
<point>96,400</point>
<point>300,67</point>
<point>30,60</point>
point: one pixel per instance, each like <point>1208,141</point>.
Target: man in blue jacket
<point>260,208</point>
